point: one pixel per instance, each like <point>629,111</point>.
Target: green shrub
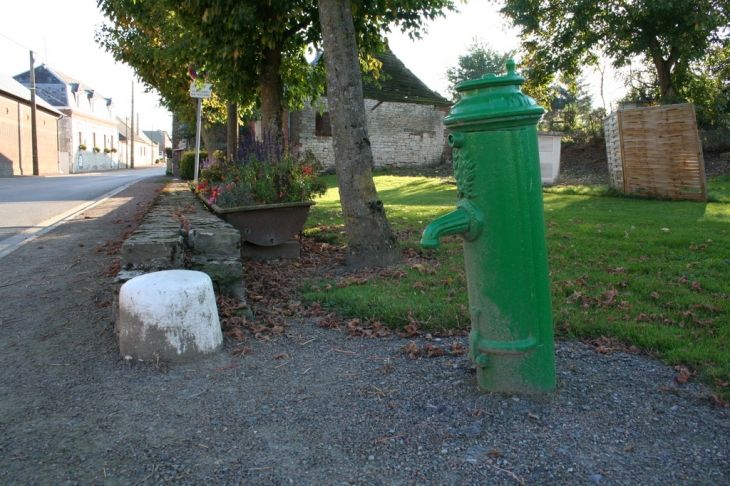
<point>187,164</point>
<point>213,174</point>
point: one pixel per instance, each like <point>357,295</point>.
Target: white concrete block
<point>170,315</point>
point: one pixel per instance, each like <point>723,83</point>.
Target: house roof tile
<point>12,87</point>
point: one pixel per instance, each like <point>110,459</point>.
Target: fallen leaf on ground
<point>432,350</point>
<point>684,375</point>
<point>412,350</point>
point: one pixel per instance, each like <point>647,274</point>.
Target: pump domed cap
<point>491,79</point>
<point>494,99</point>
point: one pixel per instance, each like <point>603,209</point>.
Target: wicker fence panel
<point>661,153</point>
<point>613,152</point>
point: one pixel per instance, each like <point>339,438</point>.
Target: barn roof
<point>400,84</point>
<point>397,84</point>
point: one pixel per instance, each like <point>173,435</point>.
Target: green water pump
<point>500,216</point>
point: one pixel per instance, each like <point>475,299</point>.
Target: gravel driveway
<point>311,406</point>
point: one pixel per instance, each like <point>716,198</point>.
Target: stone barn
<point>404,117</point>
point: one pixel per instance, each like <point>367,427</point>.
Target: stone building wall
<point>401,134</point>
<point>16,156</point>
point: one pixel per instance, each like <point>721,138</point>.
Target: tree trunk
<point>371,242</point>
<point>663,69</point>
<point>207,137</point>
<point>270,91</point>
<point>232,129</point>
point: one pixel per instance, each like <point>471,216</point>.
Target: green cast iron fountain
<point>500,216</point>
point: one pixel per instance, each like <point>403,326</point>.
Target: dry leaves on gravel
<point>684,374</point>
<point>605,345</point>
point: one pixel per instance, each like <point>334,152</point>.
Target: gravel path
<point>311,406</point>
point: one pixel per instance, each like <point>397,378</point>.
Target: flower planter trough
<point>268,229</point>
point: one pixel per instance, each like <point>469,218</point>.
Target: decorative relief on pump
<point>464,167</point>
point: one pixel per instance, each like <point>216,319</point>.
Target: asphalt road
<point>29,206</point>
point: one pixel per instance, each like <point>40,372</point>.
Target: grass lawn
<point>650,274</point>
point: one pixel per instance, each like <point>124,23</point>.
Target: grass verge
<point>651,274</point>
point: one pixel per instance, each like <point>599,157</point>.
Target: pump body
<point>500,216</point>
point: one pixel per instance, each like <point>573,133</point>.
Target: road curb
<point>9,245</point>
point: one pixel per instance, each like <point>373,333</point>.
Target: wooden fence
<point>656,152</point>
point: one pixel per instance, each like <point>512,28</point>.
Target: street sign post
<point>198,92</point>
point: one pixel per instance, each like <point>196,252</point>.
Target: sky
<point>61,33</point>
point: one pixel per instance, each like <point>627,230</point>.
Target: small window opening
<point>322,125</point>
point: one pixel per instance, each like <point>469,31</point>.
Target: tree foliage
<point>154,42</point>
<point>479,60</point>
<point>565,98</point>
<point>253,50</point>
<point>564,35</point>
<point>706,83</point>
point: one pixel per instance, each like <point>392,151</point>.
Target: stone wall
<point>401,134</point>
<point>160,240</point>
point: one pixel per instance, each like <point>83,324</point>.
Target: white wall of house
<point>81,128</point>
<point>144,153</point>
<point>401,134</point>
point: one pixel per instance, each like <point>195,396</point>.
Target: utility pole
<point>126,133</point>
<point>33,126</point>
<point>197,139</point>
<point>131,158</point>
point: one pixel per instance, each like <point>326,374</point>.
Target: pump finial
<point>510,68</point>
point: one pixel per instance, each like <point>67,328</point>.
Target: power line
<point>24,47</point>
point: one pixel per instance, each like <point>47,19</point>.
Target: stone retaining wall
<point>176,221</point>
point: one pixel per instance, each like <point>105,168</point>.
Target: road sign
<point>197,92</point>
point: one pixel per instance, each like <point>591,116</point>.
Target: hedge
<point>187,164</point>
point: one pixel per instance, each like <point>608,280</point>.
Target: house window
<point>322,126</point>
<point>81,138</point>
<point>94,137</point>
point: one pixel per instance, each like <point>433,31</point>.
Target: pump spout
<point>455,222</point>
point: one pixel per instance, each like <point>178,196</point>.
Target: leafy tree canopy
<point>253,49</point>
<point>705,82</point>
<point>154,42</point>
<point>563,35</point>
<point>479,60</point>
